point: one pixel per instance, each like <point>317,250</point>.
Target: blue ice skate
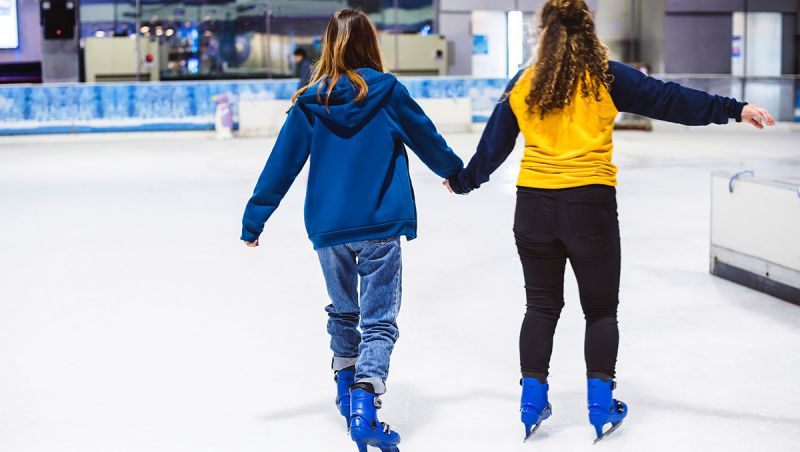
<point>344,378</point>
<point>534,407</point>
<point>365,429</point>
<point>603,409</point>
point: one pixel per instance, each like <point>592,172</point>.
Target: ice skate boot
<point>603,409</point>
<point>365,429</point>
<point>534,407</point>
<point>344,378</point>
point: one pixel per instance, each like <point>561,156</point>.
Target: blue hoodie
<point>358,184</point>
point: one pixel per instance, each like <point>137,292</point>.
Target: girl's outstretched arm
<point>288,157</point>
<point>421,136</point>
<point>497,142</point>
<point>634,92</point>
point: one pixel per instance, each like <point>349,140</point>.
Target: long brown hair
<point>350,43</point>
<point>569,54</point>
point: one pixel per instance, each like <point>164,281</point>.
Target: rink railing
<point>174,106</point>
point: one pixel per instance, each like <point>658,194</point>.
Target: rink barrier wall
<point>176,106</point>
<point>754,224</point>
<point>179,106</point>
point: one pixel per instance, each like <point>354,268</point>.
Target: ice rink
<point>133,319</point>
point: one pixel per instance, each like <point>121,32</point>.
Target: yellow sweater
<point>569,149</point>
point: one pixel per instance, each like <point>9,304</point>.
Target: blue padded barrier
<point>116,107</point>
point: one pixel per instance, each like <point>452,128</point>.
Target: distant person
<point>353,121</point>
<point>302,67</point>
<point>565,104</point>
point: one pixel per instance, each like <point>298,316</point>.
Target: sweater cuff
<point>737,112</point>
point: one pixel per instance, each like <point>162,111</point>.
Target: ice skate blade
<point>362,447</point>
<point>610,431</point>
<point>531,432</point>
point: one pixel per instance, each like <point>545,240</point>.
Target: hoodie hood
<point>341,109</point>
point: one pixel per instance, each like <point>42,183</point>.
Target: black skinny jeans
<point>579,224</point>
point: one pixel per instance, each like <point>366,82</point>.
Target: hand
<point>446,184</point>
<point>252,244</point>
<point>757,116</point>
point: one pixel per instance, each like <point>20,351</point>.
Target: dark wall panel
<point>772,6</point>
<point>708,6</point>
<point>697,43</point>
<point>704,6</point>
<point>788,45</point>
<point>797,16</point>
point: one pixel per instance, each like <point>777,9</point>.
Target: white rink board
<point>265,117</point>
<point>759,219</point>
<point>449,115</point>
<point>262,117</point>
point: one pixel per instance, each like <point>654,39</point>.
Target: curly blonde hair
<point>569,55</point>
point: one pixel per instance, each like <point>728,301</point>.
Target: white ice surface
<point>132,318</point>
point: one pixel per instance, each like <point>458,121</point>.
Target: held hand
<point>757,116</point>
<point>252,244</point>
<point>446,184</point>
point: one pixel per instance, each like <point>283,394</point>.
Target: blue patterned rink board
<point>126,107</point>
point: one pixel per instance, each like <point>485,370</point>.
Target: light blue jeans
<point>378,264</point>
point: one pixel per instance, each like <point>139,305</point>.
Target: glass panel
<point>207,39</point>
<point>297,24</point>
<point>106,18</point>
<point>224,39</point>
<point>415,16</point>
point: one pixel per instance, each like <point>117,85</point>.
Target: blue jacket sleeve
<point>634,92</point>
<point>288,157</point>
<point>496,144</point>
<point>419,134</point>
